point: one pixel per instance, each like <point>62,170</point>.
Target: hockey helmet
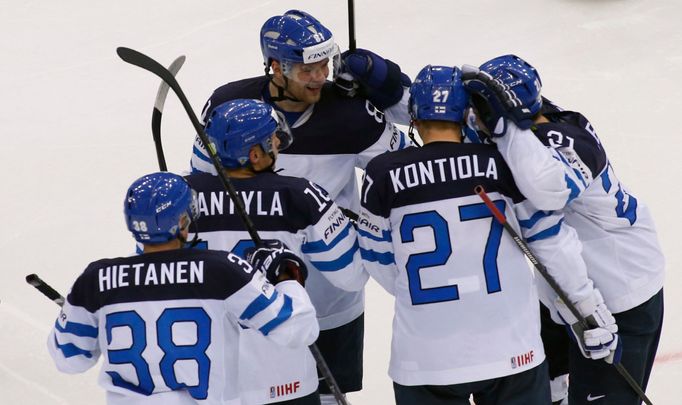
<point>154,205</point>
<point>518,76</point>
<point>295,37</point>
<point>438,94</point>
<point>234,127</point>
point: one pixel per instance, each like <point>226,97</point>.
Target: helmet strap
<point>281,96</point>
<point>410,133</point>
<point>195,240</point>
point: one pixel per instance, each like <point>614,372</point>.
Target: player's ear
<point>255,155</point>
<point>276,68</point>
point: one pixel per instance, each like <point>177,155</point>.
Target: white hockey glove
<point>277,262</point>
<point>600,340</point>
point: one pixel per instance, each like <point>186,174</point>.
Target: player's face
<point>306,80</point>
<point>275,144</point>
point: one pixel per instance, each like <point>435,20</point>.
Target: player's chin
<point>312,94</point>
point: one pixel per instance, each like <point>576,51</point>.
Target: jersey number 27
<point>440,255</point>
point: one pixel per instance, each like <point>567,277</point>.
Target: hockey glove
<point>494,102</point>
<point>277,262</point>
<point>377,79</point>
<point>599,340</point>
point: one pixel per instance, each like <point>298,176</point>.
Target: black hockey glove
<point>369,75</point>
<point>277,262</point>
<point>494,102</point>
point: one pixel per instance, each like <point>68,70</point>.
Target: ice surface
<point>75,127</point>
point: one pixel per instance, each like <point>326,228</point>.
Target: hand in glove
<point>277,262</point>
<point>597,340</point>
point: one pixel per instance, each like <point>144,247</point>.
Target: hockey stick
<point>145,62</point>
<point>351,25</point>
<point>499,216</point>
<point>45,288</point>
<point>158,111</point>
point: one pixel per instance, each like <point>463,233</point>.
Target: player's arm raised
<point>506,114</point>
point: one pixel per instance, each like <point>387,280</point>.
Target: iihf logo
<point>285,389</point>
<point>522,359</point>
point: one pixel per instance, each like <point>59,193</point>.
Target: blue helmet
<point>520,77</point>
<point>234,127</point>
<point>438,94</point>
<point>295,37</point>
<point>154,205</point>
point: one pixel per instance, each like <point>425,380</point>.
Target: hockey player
<point>561,164</point>
<point>247,135</point>
<point>167,321</point>
<point>335,134</point>
<point>467,319</point>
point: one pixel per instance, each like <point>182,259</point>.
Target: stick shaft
<point>159,102</point>
<point>45,288</point>
<point>351,25</point>
<point>499,216</point>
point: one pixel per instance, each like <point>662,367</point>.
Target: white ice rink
<point>75,128</point>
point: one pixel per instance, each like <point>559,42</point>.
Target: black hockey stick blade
<point>158,111</point>
<point>45,288</point>
<point>145,62</point>
<point>499,216</point>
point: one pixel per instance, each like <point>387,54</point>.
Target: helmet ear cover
<point>155,205</point>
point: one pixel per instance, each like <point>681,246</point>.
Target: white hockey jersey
<point>466,302</point>
<point>331,139</point>
<point>563,166</point>
<point>167,324</point>
<point>301,215</point>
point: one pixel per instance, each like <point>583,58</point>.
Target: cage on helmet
<point>295,37</point>
<point>519,77</point>
<point>234,127</point>
<point>155,204</point>
<point>437,93</point>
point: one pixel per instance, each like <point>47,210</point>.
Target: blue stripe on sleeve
<point>284,314</point>
<point>576,171</point>
<point>551,231</point>
<point>78,329</point>
<point>338,264</point>
<point>605,180</point>
<point>201,155</point>
<point>260,303</point>
<point>402,141</point>
<point>384,258</point>
<point>385,236</point>
<point>71,350</point>
<point>530,222</point>
<point>320,246</point>
<point>575,191</point>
